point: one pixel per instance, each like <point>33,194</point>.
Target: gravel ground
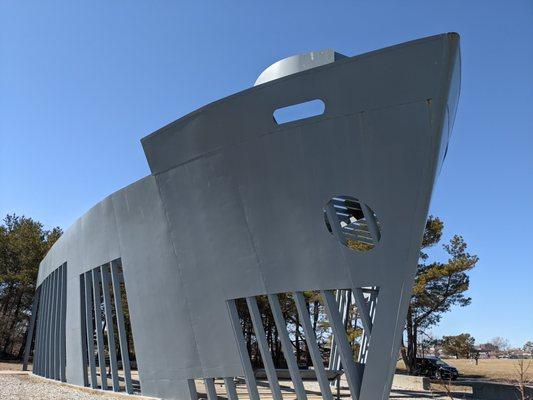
<point>15,386</point>
<point>27,387</point>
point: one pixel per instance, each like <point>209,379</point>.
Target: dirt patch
<point>11,366</point>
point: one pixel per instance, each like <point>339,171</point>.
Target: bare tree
<point>500,343</point>
<point>522,378</point>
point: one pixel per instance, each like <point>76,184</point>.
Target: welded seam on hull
<point>178,267</point>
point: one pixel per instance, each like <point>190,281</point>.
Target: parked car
<point>434,367</point>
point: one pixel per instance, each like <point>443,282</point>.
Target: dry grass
<point>493,369</point>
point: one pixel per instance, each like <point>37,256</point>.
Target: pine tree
<point>23,244</point>
<point>438,286</point>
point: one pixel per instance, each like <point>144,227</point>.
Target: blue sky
<point>82,82</point>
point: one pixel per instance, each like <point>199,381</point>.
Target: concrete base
<point>497,391</point>
<point>306,374</point>
<point>408,382</point>
<point>10,372</point>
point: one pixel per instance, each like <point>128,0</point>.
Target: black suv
<point>434,367</point>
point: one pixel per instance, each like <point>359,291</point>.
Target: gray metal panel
<point>228,251</point>
<point>396,75</point>
<point>157,297</point>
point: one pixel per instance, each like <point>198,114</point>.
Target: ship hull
<point>235,208</point>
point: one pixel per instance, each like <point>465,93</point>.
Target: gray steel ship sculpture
<point>241,203</point>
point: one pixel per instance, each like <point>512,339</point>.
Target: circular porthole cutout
<point>352,222</point>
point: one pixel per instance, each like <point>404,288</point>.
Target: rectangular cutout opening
<point>300,111</point>
<point>106,330</point>
<point>320,354</point>
<point>50,340</point>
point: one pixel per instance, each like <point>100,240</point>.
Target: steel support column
<point>249,377</point>
<point>353,376</point>
<point>364,310</point>
<point>231,390</point>
<point>286,346</point>
<point>210,389</point>
<point>371,223</point>
<point>333,349</point>
<point>97,298</point>
<point>312,345</point>
<point>191,386</point>
<point>29,336</point>
<point>38,332</point>
<point>263,347</point>
<point>342,311</point>
<point>90,328</point>
<point>42,341</point>
<point>63,322</point>
<point>55,328</point>
<point>110,327</point>
<point>124,352</point>
<point>48,342</point>
<point>83,326</point>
